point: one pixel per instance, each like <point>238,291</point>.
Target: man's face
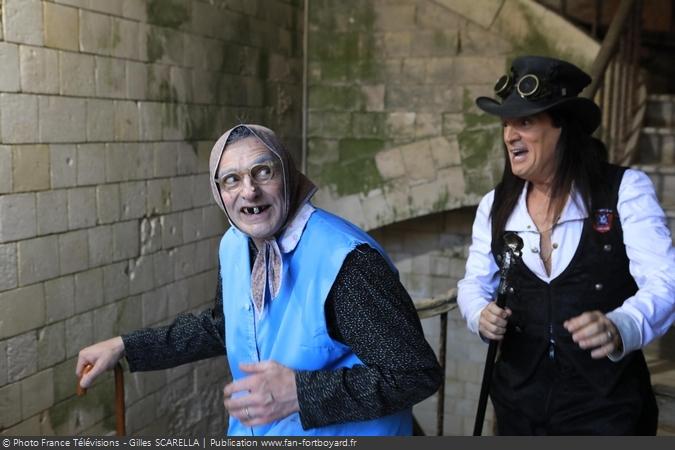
<point>531,142</point>
<point>251,186</point>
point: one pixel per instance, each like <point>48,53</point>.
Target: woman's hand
<point>593,330</point>
<point>271,394</point>
<point>493,320</point>
<point>102,356</point>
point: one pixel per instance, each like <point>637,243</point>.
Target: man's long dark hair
<point>579,161</point>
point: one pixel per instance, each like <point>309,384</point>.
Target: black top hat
<point>536,84</point>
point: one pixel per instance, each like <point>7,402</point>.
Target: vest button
<point>511,290</point>
<point>555,245</point>
<point>598,286</point>
<point>518,329</point>
<point>499,257</point>
<point>535,250</point>
<point>607,247</point>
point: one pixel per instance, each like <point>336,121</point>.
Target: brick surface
<point>90,164</point>
<point>110,77</point>
<point>137,80</point>
<point>81,207</point>
<point>99,120</point>
<point>115,282</point>
<point>37,393</point>
<point>125,240</point>
<point>79,333</point>
<point>30,168</point>
<point>8,267</point>
<point>105,322</point>
<point>21,356</point>
<point>59,295</point>
<point>51,345</point>
<point>5,169</point>
<point>125,38</point>
<point>10,398</point>
<point>95,32</point>
<point>17,217</point>
<point>18,118</point>
<point>52,212</point>
<point>76,74</point>
<point>73,251</point>
<point>9,61</point>
<point>61,26</point>
<point>100,245</point>
<point>132,200</point>
<point>88,290</point>
<point>125,121</point>
<point>61,119</point>
<point>37,70</point>
<point>22,20</point>
<point>38,259</point>
<point>63,165</point>
<point>108,203</point>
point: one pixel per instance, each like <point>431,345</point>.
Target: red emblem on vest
<point>603,219</point>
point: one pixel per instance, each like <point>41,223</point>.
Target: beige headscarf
<point>298,189</point>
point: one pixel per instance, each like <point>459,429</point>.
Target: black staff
<point>510,254</point>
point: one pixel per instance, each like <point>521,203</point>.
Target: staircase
<point>656,157</point>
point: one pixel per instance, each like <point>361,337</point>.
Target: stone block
<point>88,290</point>
<point>99,120</point>
<point>3,366</point>
<point>135,9</point>
<point>100,245</point>
<point>79,333</point>
<point>126,240</point>
<point>132,200</point>
<point>159,196</point>
<point>51,344</point>
<point>125,37</point>
<point>428,124</point>
<point>164,263</point>
<point>115,282</point>
<point>192,225</point>
<point>59,298</point>
<point>37,70</point>
<point>125,121</point>
<point>10,400</point>
<point>445,151</point>
<point>22,20</point>
<point>154,306</point>
<point>108,203</point>
<point>418,161</point>
<point>172,230</point>
<point>61,26</point>
<point>30,168</point>
<point>401,125</point>
<point>76,74</point>
<point>52,212</point>
<point>81,207</point>
<point>129,314</point>
<point>90,164</point>
<point>95,32</point>
<point>137,80</point>
<point>61,119</point>
<point>150,120</point>
<point>18,118</point>
<point>117,162</point>
<point>373,97</point>
<point>181,193</point>
<point>187,159</point>
<point>181,81</point>
<point>73,251</point>
<point>201,191</point>
<point>165,155</point>
<point>390,163</point>
<point>17,217</point>
<point>151,235</point>
<point>110,77</point>
<point>105,322</point>
<point>158,82</point>
<point>8,267</point>
<point>9,61</point>
<point>21,356</point>
<point>141,276</point>
<point>5,169</point>
<point>142,159</point>
<point>38,259</point>
<point>63,165</point>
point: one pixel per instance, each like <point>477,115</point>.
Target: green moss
<point>352,177</point>
<point>356,149</point>
<point>442,201</point>
<point>167,13</point>
<point>155,46</point>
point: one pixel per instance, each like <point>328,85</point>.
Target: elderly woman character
<point>596,280</point>
<point>321,337</point>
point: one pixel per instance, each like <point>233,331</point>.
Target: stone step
<point>656,146</point>
<point>660,111</point>
<point>663,177</point>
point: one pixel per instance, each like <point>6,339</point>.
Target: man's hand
<point>102,356</point>
<point>271,394</point>
<point>493,320</point>
<point>593,330</point>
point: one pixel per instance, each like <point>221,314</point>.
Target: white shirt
<point>642,317</point>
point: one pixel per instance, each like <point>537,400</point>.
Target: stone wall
<point>108,110</point>
<point>393,129</point>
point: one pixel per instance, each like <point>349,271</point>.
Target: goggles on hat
<point>529,86</point>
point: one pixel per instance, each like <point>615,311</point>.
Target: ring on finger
<point>610,335</point>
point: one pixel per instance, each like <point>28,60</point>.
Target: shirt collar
<point>520,219</point>
<point>291,236</point>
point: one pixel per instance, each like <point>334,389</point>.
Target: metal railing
<point>431,307</point>
<point>617,85</point>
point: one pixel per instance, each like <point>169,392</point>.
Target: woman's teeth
<point>253,209</point>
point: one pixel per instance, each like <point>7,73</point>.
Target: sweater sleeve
<point>370,311</point>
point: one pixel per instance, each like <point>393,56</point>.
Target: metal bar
<point>440,410</point>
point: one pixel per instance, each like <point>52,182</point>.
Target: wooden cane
<point>120,426</point>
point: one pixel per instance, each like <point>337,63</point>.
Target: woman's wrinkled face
<point>530,143</point>
<point>250,181</point>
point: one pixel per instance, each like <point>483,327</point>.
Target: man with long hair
<point>596,280</point>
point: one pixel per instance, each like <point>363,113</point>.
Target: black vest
<point>597,278</point>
